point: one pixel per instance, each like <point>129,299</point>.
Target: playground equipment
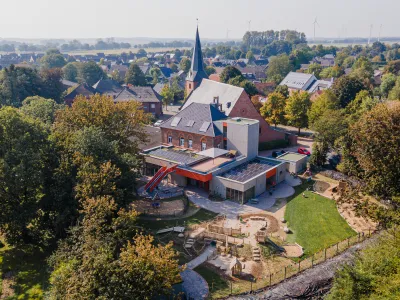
<point>155,181</point>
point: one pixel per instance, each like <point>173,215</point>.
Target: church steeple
<point>196,72</point>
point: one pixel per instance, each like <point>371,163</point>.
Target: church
<point>231,100</point>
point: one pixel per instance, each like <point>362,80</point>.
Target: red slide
<point>152,184</point>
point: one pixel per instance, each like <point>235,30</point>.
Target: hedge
<point>273,145</point>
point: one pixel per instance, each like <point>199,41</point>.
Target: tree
<point>363,68</point>
<point>346,89</point>
<point>53,59</point>
<point>326,101</point>
<point>210,70</point>
<point>230,72</point>
<point>394,93</point>
<point>362,103</point>
<point>318,154</point>
<point>315,69</point>
<point>41,108</point>
<point>296,109</point>
<point>17,83</point>
<point>135,76</point>
<point>90,73</point>
<point>167,94</point>
<point>250,56</point>
<point>52,87</point>
<point>393,67</point>
<point>273,109</point>
<point>374,273</point>
<point>329,72</point>
<point>282,89</point>
<point>278,67</point>
<point>330,126</point>
<point>24,167</point>
<point>185,64</point>
<point>70,72</point>
<point>376,138</point>
<point>387,84</point>
<point>155,73</point>
<point>256,102</point>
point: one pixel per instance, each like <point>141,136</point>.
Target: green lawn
<point>218,286</point>
<point>201,216</point>
<point>29,270</point>
<point>315,222</point>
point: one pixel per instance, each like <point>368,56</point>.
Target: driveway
<point>301,142</point>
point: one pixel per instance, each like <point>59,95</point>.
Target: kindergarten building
<point>203,147</point>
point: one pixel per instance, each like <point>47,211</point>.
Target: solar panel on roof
<point>175,121</point>
<point>190,123</point>
<point>205,126</point>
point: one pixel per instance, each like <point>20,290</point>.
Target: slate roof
<point>144,94</point>
<point>246,171</point>
<point>300,81</point>
<point>208,89</point>
<point>108,87</point>
<point>82,89</point>
<point>196,115</point>
<point>196,72</point>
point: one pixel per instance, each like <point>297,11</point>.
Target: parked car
<point>158,123</point>
<point>303,151</point>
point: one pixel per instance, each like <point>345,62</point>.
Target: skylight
<point>205,126</point>
<point>175,121</point>
<point>190,123</point>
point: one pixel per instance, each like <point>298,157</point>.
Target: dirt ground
<point>166,207</point>
<point>293,250</point>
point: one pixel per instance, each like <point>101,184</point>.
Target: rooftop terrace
<point>179,156</point>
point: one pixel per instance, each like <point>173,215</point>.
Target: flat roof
<point>240,121</point>
<point>177,155</point>
<point>250,169</point>
<point>208,165</point>
<point>213,152</point>
<point>292,156</point>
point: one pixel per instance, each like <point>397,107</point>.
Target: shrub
<point>273,145</point>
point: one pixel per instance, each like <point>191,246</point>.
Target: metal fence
<point>273,278</point>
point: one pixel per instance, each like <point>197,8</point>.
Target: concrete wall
<point>177,179</point>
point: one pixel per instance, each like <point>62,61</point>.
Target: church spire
<point>196,72</point>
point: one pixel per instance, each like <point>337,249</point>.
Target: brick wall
<point>197,139</point>
<point>244,108</point>
<point>157,111</point>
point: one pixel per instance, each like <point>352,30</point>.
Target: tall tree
<point>346,89</point>
<point>326,101</point>
<point>135,76</point>
<point>296,109</point>
<point>53,59</point>
<point>229,73</point>
<point>70,72</point>
<point>90,72</point>
<point>41,108</point>
<point>52,87</point>
<point>278,68</point>
<point>185,64</point>
<point>273,109</point>
<point>167,94</point>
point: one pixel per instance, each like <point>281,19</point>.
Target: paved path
<point>232,209</point>
<point>194,285</point>
<point>201,258</point>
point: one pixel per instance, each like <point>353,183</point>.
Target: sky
<point>177,18</point>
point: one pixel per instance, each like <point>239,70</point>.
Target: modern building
<point>296,162</point>
<point>202,147</point>
<point>305,82</point>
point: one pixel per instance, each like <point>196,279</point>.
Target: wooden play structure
<point>236,267</point>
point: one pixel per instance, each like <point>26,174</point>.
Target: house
<point>68,84</point>
<point>256,72</point>
<point>203,147</point>
<point>298,81</point>
<point>320,85</point>
<point>378,77</point>
<point>150,100</point>
<point>231,100</point>
<point>121,69</point>
<point>83,89</point>
<point>108,87</point>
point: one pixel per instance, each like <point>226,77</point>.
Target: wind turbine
<point>370,33</point>
<point>249,25</point>
<point>227,33</point>
<point>380,30</point>
<point>315,23</point>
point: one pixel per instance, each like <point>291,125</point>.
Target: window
<point>169,139</point>
<point>225,145</point>
<point>152,105</point>
<point>203,146</point>
<point>190,144</point>
<point>190,85</point>
<point>182,142</point>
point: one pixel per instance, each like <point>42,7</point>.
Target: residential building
<point>305,82</point>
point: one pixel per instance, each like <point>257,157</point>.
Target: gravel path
<point>313,282</point>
